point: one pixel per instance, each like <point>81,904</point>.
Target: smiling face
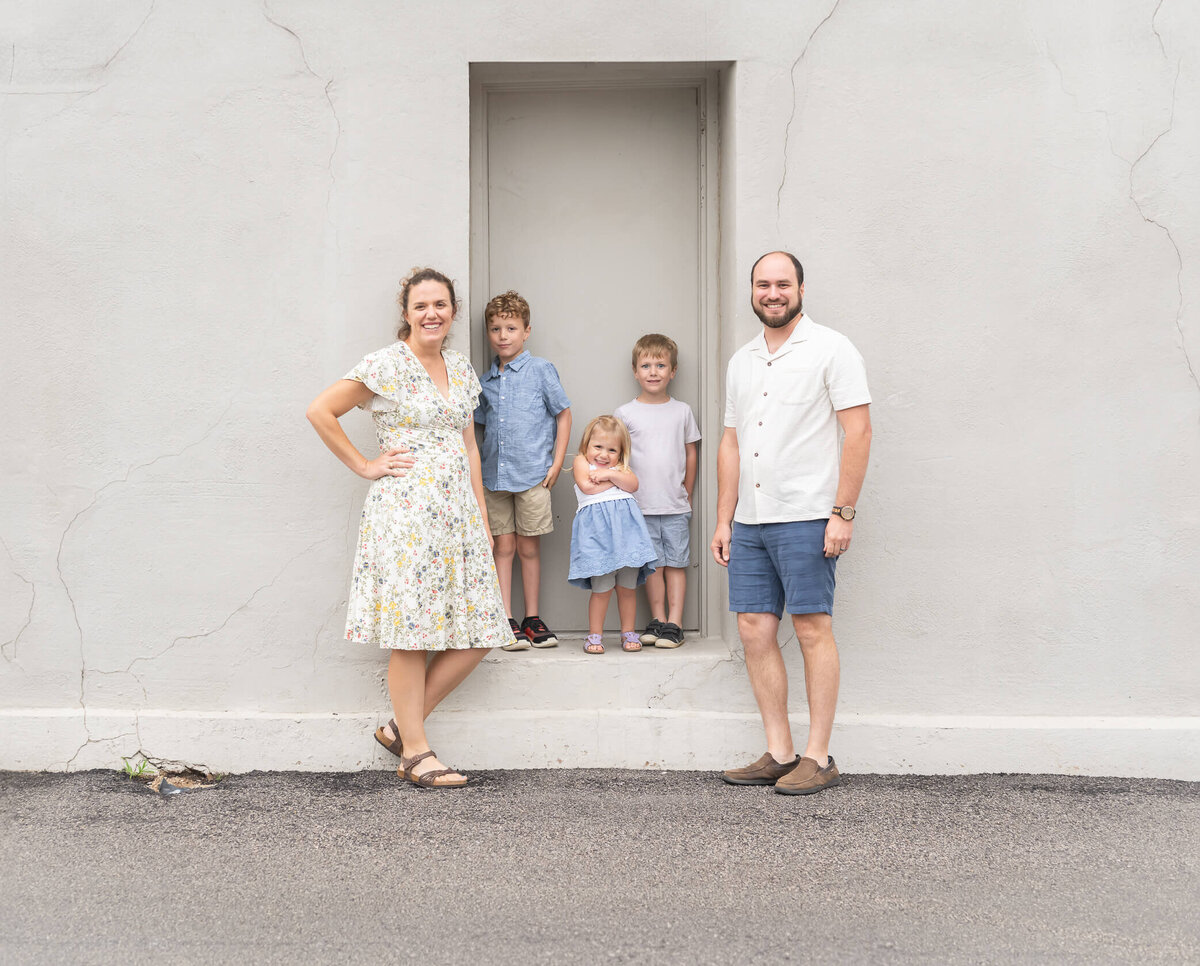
<point>776,296</point>
<point>654,374</point>
<point>603,449</point>
<point>429,312</point>
<point>507,335</point>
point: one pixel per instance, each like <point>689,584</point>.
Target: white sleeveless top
<point>614,492</point>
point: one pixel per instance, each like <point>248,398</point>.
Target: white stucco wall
<point>207,208</point>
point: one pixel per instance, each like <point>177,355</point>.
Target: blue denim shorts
<point>671,539</point>
<point>777,564</point>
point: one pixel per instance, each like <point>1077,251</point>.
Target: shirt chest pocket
<point>527,398</point>
<point>802,387</point>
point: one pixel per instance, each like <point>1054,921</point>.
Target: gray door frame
<point>704,79</point>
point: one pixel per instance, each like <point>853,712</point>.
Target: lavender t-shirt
<point>660,432</point>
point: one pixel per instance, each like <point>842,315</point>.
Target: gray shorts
<point>625,577</point>
<point>670,535</point>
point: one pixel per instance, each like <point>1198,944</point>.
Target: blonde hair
<point>657,347</point>
<point>612,426</point>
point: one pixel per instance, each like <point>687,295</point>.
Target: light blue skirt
<point>607,536</point>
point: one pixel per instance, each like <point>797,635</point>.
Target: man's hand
<point>551,477</point>
<point>837,536</point>
<point>721,541</point>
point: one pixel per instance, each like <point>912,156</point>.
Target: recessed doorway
<point>593,195</point>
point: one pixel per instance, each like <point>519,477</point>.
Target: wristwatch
<point>845,512</point>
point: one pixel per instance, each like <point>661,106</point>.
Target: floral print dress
<point>424,578</point>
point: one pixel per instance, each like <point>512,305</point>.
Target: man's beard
<point>780,323</point>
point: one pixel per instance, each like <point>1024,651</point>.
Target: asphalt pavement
<point>589,867</point>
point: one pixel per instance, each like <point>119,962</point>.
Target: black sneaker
<point>653,629</point>
<point>669,635</point>
<point>539,635</point>
<point>519,641</point>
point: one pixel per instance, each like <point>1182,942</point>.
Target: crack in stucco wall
<point>11,658</point>
<point>232,614</point>
<point>1187,358</point>
<point>129,40</point>
<point>94,741</point>
<point>12,642</point>
<point>1132,193</point>
<point>787,130</point>
<point>1154,27</point>
<point>668,686</point>
<point>1062,83</point>
<point>334,610</point>
<point>337,121</point>
<point>62,540</point>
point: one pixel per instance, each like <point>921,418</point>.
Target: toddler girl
<point>610,545</point>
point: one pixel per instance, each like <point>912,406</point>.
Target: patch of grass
<point>138,770</point>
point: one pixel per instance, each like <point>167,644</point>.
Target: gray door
<point>593,214</point>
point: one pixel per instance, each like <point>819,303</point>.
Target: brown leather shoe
<point>765,771</point>
<point>808,777</point>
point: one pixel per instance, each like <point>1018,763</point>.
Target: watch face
<point>846,513</point>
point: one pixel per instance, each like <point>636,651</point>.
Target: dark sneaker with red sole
<point>537,633</point>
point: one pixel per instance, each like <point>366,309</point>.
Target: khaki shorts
<point>527,512</point>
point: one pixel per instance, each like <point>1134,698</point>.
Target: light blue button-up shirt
<point>517,410</point>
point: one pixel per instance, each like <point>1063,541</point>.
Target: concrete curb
<point>629,737</point>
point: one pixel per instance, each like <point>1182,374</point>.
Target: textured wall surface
<point>207,208</point>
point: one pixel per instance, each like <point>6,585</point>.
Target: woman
<point>424,579</point>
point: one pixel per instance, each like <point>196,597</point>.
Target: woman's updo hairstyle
<point>416,277</point>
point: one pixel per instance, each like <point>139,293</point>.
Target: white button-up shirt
<point>784,408</point>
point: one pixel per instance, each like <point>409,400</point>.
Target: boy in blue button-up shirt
<point>526,420</point>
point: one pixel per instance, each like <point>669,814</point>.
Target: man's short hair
<point>795,262</point>
<point>657,346</point>
<point>507,303</point>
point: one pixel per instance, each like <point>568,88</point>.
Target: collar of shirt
<point>518,364</point>
<point>758,345</point>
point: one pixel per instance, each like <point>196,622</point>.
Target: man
<point>785,510</point>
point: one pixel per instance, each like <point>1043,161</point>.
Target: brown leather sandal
<point>428,779</point>
<point>394,745</point>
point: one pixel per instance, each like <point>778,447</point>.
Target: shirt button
<point>755,454</point>
<point>764,393</point>
<point>760,423</point>
<point>768,365</point>
<point>757,485</point>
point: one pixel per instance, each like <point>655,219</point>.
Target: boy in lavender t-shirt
<point>664,434</point>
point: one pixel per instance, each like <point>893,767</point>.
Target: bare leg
<point>502,553</point>
<point>822,672</point>
<point>676,581</point>
<point>406,687</point>
<point>656,596</point>
<point>447,671</point>
<point>597,611</point>
<point>768,678</point>
<point>529,550</point>
<point>626,607</point>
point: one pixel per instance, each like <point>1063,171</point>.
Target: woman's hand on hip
<point>392,462</point>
